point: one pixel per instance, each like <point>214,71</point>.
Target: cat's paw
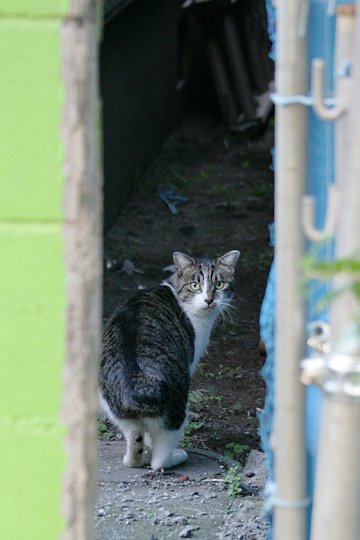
<point>178,456</point>
<point>133,460</point>
<point>134,456</point>
<point>147,440</point>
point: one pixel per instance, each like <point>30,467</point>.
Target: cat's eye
<point>219,285</point>
<point>195,286</point>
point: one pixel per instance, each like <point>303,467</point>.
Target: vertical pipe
<point>336,514</point>
<point>290,136</point>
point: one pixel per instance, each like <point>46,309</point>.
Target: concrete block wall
<point>38,261</point>
<point>32,322</point>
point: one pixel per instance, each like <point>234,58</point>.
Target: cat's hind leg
<point>164,442</point>
<point>133,431</point>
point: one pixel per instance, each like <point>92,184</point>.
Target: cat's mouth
<point>211,306</point>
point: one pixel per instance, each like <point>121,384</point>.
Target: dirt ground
<point>229,188</point>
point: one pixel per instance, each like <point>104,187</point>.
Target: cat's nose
<point>209,301</point>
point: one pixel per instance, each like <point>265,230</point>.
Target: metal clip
<point>313,368</point>
<point>343,377</point>
<point>338,374</point>
<point>319,336</point>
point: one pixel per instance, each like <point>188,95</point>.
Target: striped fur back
<point>148,346</point>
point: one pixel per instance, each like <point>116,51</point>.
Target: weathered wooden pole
<point>290,138</point>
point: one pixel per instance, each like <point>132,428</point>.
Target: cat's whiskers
<point>226,312</point>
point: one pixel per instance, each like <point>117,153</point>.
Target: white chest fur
<point>202,322</point>
<point>202,328</point>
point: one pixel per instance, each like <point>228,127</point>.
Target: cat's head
<point>205,284</point>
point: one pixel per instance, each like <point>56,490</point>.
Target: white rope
<point>307,101</point>
<point>273,500</point>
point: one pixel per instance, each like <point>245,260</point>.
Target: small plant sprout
<point>104,430</point>
<point>189,428</point>
<point>233,481</point>
<point>236,450</point>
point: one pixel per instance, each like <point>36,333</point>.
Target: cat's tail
<point>146,393</point>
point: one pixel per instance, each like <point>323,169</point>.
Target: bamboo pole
<point>290,133</point>
<point>336,514</point>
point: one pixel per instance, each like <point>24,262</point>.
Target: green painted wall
<point>32,275</point>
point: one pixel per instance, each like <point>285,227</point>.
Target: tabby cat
<point>152,346</point>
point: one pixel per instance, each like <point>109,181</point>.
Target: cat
<point>152,346</point>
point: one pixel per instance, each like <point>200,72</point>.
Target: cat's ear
<point>229,259</point>
<point>181,260</point>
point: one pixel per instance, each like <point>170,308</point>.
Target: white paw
<point>135,449</point>
<point>147,440</point>
<point>132,461</point>
<point>178,456</point>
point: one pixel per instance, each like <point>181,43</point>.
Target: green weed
<point>237,406</point>
<point>105,431</point>
<point>236,450</point>
<point>233,480</point>
<point>190,427</point>
<point>197,399</point>
<point>226,371</point>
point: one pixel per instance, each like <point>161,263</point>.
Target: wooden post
<point>83,259</point>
